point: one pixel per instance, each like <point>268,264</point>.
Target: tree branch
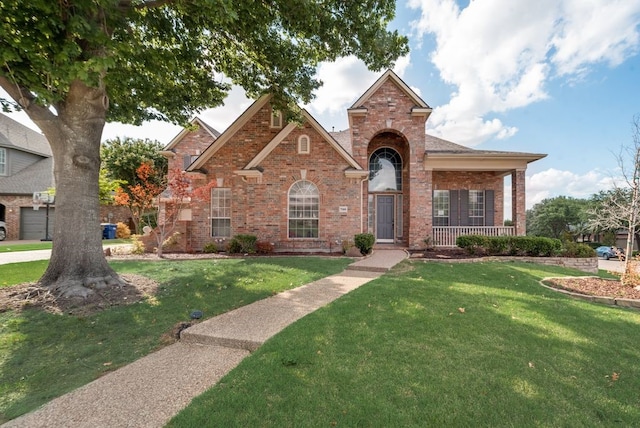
<point>26,100</point>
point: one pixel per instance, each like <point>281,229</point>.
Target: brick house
<point>26,167</point>
<point>303,188</point>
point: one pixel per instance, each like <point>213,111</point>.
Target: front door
<point>384,216</point>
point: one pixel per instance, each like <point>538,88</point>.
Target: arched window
<point>385,170</point>
<point>303,144</point>
<point>304,203</point>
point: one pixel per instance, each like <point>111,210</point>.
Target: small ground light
<point>196,315</point>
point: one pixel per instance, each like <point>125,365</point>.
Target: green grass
<point>17,273</point>
<point>400,351</point>
<point>43,356</point>
<point>46,245</point>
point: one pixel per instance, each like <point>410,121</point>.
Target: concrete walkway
<point>150,391</point>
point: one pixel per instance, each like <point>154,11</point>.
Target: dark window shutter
<point>489,208</point>
<point>186,161</point>
<point>454,212</point>
<point>464,208</point>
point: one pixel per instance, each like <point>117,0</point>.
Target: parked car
<point>610,252</point>
<point>3,230</point>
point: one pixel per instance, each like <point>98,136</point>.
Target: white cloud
<point>500,54</point>
<point>553,182</point>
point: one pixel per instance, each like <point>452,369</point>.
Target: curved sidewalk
<point>151,390</point>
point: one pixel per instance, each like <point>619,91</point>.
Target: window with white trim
<point>3,161</point>
<point>441,208</point>
<point>476,207</point>
<point>276,118</point>
<point>220,213</point>
<point>304,208</point>
<point>304,145</point>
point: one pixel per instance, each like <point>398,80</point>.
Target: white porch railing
<point>445,236</point>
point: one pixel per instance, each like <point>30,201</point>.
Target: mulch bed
<point>32,295</point>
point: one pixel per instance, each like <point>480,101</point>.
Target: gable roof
<point>197,122</point>
<point>390,75</point>
<point>287,130</point>
<point>15,135</point>
<point>229,132</point>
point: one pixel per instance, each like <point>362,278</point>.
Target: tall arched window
<point>304,200</point>
<point>385,170</point>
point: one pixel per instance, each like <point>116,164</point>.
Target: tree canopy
<point>166,59</point>
<point>72,65</point>
<point>554,217</point>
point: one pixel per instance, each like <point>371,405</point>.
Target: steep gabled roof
<point>390,75</point>
<point>287,130</point>
<point>229,132</point>
<point>196,121</point>
<point>15,135</point>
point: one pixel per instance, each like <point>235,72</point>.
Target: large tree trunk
<point>78,265</point>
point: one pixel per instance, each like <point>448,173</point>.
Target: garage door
<point>33,223</point>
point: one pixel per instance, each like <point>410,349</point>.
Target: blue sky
<point>560,77</point>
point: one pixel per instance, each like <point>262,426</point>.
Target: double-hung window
<point>476,208</point>
<point>220,213</point>
<point>441,208</point>
<point>304,201</point>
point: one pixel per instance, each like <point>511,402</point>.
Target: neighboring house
<point>302,188</point>
<point>26,166</point>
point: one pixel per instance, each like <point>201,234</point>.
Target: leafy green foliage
<point>107,187</point>
<point>162,60</point>
<point>364,242</point>
<point>552,217</point>
<point>242,243</point>
<point>534,246</point>
<point>122,157</point>
<point>574,249</point>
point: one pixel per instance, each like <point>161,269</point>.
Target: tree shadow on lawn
<point>46,355</point>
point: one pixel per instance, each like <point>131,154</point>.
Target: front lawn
<point>477,344</point>
<point>43,356</point>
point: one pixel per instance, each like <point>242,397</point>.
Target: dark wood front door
<point>384,218</point>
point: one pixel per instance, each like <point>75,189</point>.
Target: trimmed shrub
<point>364,242</point>
<point>534,246</point>
<point>122,231</point>
<point>573,249</point>
<point>137,245</point>
<point>210,247</point>
<point>473,244</point>
<point>245,244</point>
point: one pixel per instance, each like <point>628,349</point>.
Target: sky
<point>559,77</point>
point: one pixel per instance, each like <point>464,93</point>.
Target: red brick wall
<point>260,207</point>
<point>12,213</point>
<point>192,144</point>
<point>389,110</point>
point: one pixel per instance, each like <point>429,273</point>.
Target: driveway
<point>610,265</point>
<point>28,256</point>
